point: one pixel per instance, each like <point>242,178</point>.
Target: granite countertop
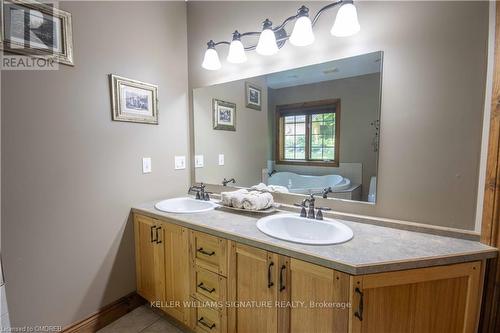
<point>373,249</point>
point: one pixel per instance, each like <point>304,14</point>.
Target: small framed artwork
<point>133,101</point>
<point>253,96</point>
<point>35,29</point>
<point>224,115</point>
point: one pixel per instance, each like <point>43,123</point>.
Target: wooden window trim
<point>290,109</point>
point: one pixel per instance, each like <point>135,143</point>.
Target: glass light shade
<point>346,22</point>
<point>302,33</point>
<point>211,60</point>
<point>267,43</point>
<point>236,53</point>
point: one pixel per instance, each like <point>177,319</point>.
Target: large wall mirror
<point>300,130</point>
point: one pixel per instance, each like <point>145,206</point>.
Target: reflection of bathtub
<point>308,184</point>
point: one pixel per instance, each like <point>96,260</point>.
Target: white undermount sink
<point>185,205</point>
<point>301,230</point>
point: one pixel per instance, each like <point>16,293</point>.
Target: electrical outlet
<point>221,159</point>
<point>180,162</point>
<point>198,161</point>
<point>146,165</point>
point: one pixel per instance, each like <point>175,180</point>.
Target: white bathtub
<point>308,184</point>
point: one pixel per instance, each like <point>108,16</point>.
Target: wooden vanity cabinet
<point>162,266</point>
<point>435,299</point>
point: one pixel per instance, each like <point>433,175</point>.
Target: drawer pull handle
<point>152,237</point>
<point>269,280</point>
<point>204,323</point>
<point>158,241</point>
<point>205,252</point>
<point>359,313</point>
<point>202,286</point>
<point>282,283</point>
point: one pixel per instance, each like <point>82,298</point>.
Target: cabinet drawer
<point>209,252</point>
<point>208,320</point>
<point>207,285</point>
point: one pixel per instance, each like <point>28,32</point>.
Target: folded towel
<point>260,187</point>
<point>257,201</point>
<point>278,189</point>
<point>226,198</point>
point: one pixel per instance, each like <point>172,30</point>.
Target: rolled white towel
<point>226,198</point>
<point>278,189</point>
<point>257,201</point>
<point>237,198</point>
<point>260,187</point>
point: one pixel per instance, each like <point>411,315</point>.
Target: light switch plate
<point>180,162</point>
<point>221,159</point>
<point>198,161</point>
<point>146,165</point>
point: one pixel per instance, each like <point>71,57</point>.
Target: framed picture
<point>224,115</point>
<point>35,29</point>
<point>253,96</point>
<point>133,100</point>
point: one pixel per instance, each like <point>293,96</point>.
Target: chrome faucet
<point>310,202</point>
<point>225,181</point>
<point>201,194</point>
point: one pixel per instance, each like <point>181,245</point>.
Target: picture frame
<point>224,115</point>
<point>133,100</point>
<point>49,30</point>
<point>253,96</point>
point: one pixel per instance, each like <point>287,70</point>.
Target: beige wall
<point>245,150</point>
<point>70,174</point>
<point>432,92</point>
<point>359,106</point>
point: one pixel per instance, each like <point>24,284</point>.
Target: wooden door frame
<point>490,224</point>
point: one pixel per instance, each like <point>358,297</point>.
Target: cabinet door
<point>437,299</point>
<point>147,253</point>
<point>176,270</point>
<point>252,283</point>
<point>318,298</point>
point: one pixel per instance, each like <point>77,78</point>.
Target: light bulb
<point>236,53</point>
<point>267,41</point>
<point>346,22</point>
<point>302,33</point>
<point>211,58</point>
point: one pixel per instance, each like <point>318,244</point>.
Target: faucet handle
<point>319,214</point>
<point>303,212</point>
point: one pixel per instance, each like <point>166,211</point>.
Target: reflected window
<point>308,133</point>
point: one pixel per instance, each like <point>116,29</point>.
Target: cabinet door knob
<point>269,278</point>
<point>359,313</point>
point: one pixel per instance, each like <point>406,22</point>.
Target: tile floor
<point>143,320</point>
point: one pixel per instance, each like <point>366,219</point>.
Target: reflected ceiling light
<point>302,34</point>
<point>267,41</point>
<point>271,39</point>
<point>346,23</point>
<point>236,53</point>
<point>211,59</point>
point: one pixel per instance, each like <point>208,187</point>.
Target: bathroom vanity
<point>216,272</point>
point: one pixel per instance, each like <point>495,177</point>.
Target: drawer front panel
<point>208,320</point>
<point>209,252</point>
<point>207,285</point>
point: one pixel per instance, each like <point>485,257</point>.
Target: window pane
<point>328,154</point>
<point>316,141</point>
<point>316,153</point>
<point>289,141</point>
<point>289,129</point>
<point>289,153</point>
<point>300,153</point>
<point>316,128</point>
<point>328,117</point>
<point>289,119</point>
<point>317,117</point>
<point>300,128</point>
<point>300,141</point>
<point>300,119</point>
<point>328,141</point>
<point>327,129</point>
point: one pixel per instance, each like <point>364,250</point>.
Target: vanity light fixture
<point>272,39</point>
